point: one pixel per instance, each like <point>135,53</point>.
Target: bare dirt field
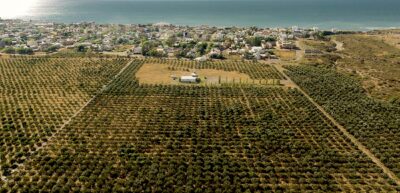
<point>161,74</point>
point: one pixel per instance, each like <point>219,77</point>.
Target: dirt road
<point>353,139</point>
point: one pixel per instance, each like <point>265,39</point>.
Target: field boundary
<point>353,139</point>
<point>49,139</point>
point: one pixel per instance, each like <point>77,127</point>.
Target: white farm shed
<point>188,79</point>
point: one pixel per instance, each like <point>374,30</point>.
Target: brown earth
<point>162,74</point>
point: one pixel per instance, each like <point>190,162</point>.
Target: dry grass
<point>122,48</point>
<point>286,55</point>
<point>323,46</point>
<point>161,74</point>
<point>4,55</point>
<point>375,61</point>
<point>391,37</point>
<point>232,57</point>
<point>115,53</point>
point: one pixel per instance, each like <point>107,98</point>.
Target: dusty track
<point>339,45</point>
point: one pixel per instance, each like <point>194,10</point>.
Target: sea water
<point>325,14</point>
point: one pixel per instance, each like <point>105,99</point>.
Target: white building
<point>256,49</point>
<point>188,79</point>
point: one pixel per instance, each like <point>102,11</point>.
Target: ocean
<point>325,14</point>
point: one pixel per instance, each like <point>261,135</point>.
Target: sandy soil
<point>160,74</point>
<point>339,45</point>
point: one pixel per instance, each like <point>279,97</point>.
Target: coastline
<point>364,29</point>
<point>341,15</point>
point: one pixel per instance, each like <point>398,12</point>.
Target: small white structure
<point>188,79</point>
<point>137,50</point>
<point>201,59</point>
<point>256,49</point>
<point>194,74</point>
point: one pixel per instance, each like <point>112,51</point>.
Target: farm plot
<point>162,74</point>
<point>153,138</point>
<point>37,95</point>
<point>254,70</point>
<point>374,123</point>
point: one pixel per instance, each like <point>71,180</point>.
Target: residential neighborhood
<point>198,43</point>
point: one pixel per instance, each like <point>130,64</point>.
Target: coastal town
<point>200,43</point>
